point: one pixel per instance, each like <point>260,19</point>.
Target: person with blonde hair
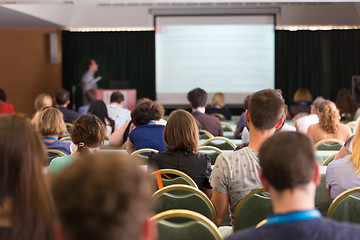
<point>51,126</point>
<point>302,99</point>
<point>42,101</point>
<point>344,173</point>
<point>181,136</point>
<point>218,106</point>
<point>329,125</point>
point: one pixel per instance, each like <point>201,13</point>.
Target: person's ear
<point>190,105</point>
<point>279,124</point>
<point>247,116</point>
<point>264,182</point>
<point>317,175</point>
<point>149,230</point>
<point>67,102</point>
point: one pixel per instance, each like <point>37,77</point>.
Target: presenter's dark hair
<point>99,109</point>
<point>266,107</point>
<point>197,97</point>
<point>2,95</point>
<point>290,166</point>
<point>117,97</point>
<point>62,96</point>
<point>88,63</point>
<point>146,110</point>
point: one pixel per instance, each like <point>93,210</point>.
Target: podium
<point>129,95</point>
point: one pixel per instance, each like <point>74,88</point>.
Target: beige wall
<point>25,68</point>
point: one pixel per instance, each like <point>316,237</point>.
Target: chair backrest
<point>329,159</point>
<point>192,199</point>
<point>222,143</point>
<point>212,152</point>
<point>227,127</point>
<point>329,144</point>
<point>220,116</point>
<point>54,153</point>
<point>322,200</point>
<point>346,207</point>
<point>66,139</point>
<point>203,134</point>
<point>197,226</point>
<point>351,125</point>
<point>251,210</point>
<point>177,177</point>
<point>144,152</point>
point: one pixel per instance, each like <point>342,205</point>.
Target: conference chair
<point>222,143</point>
<point>329,144</point>
<point>251,210</point>
<point>212,152</point>
<point>227,127</point>
<point>144,153</point>
<point>68,126</point>
<point>56,153</point>
<point>66,139</point>
<point>220,116</point>
<point>351,125</point>
<point>346,206</point>
<point>205,134</point>
<point>195,226</point>
<point>191,199</point>
<point>322,200</point>
<point>167,177</point>
<point>329,159</point>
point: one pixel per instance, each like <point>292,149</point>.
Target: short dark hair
<point>2,95</point>
<point>116,97</point>
<point>266,107</point>
<point>197,97</point>
<point>91,95</point>
<point>103,196</point>
<point>62,96</point>
<point>287,160</point>
<point>88,63</point>
<point>146,110</point>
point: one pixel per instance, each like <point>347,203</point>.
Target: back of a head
<point>103,196</point>
<point>329,116</point>
<point>91,95</point>
<point>197,97</point>
<point>87,132</point>
<point>116,97</point>
<point>266,107</point>
<point>22,180</point>
<point>344,102</point>
<point>99,109</point>
<point>302,95</point>
<point>218,99</point>
<point>146,110</point>
<point>317,102</point>
<point>61,97</point>
<point>50,122</point>
<point>2,95</point>
<point>87,64</point>
<point>42,101</point>
<point>181,132</point>
<point>287,160</point>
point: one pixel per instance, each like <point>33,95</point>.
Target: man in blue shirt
<point>290,173</point>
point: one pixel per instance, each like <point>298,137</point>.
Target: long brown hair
<point>23,181</point>
<point>329,117</point>
<point>181,132</point>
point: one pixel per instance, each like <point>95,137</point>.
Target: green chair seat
<point>222,143</point>
<point>322,200</point>
<point>329,144</point>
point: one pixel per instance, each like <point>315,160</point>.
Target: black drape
<point>322,61</point>
<point>122,56</point>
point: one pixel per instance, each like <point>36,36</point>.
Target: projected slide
<point>236,59</point>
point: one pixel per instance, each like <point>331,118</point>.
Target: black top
<point>209,123</point>
<point>69,115</point>
<point>197,166</point>
<point>5,233</point>
<point>224,111</point>
<point>295,109</point>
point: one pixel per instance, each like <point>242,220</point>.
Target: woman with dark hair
<point>99,109</point>
<point>345,103</point>
<point>147,129</point>
<point>181,136</point>
<point>329,125</point>
<point>26,205</point>
<point>87,133</point>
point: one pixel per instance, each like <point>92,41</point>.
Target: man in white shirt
<point>116,109</point>
<point>303,123</point>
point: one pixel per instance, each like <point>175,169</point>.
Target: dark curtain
<point>322,61</point>
<point>122,56</point>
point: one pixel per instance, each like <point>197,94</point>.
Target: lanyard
<point>293,217</point>
<point>198,111</point>
<point>151,122</point>
<point>51,138</point>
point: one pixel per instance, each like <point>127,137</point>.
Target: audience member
<point>88,80</point>
<point>329,125</point>
<point>242,121</point>
<point>181,136</point>
<point>117,111</point>
<point>302,99</point>
<point>87,133</point>
<point>42,101</point>
<point>120,135</point>
<point>218,106</point>
<point>27,210</point>
<point>62,100</point>
<point>290,174</point>
<point>197,99</point>
<point>98,108</point>
<point>104,196</point>
<point>236,174</point>
<point>5,108</point>
<point>148,130</point>
<point>303,123</point>
<point>343,174</point>
<point>345,103</point>
<point>90,96</point>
